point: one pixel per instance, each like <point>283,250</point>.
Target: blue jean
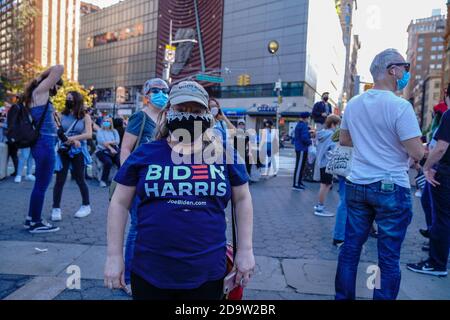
<point>44,156</point>
<point>341,214</point>
<point>25,156</point>
<point>131,239</point>
<point>393,213</point>
<point>440,230</point>
<point>427,205</point>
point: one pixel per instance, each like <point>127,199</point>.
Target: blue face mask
<point>159,99</point>
<point>107,124</point>
<point>403,82</point>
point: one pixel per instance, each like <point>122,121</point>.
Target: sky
<point>381,24</point>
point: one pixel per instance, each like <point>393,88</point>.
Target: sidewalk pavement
<point>50,268</point>
<point>294,255</point>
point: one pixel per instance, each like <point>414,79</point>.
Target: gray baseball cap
<point>188,91</point>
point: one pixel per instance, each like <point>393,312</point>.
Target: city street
<point>294,253</point>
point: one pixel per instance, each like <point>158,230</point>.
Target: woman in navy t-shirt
<point>184,188</point>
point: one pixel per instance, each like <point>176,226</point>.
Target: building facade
<point>305,63</point>
<point>231,39</point>
<point>446,73</point>
<point>118,50</point>
<point>346,10</point>
<point>87,8</point>
<point>50,36</point>
<point>426,52</point>
<point>426,95</point>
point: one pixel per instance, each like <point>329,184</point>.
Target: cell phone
<point>229,282</point>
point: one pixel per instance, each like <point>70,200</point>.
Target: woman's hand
<point>245,265</point>
<point>430,176</point>
<point>112,150</point>
<point>114,272</point>
<point>74,142</point>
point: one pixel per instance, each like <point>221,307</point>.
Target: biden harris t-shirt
<point>181,240</point>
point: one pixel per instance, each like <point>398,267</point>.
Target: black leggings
<point>12,152</point>
<point>300,163</point>
<point>78,171</point>
<point>142,290</point>
<point>108,161</point>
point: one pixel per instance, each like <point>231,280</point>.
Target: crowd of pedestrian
<point>175,179</point>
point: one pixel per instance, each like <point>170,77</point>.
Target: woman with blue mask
<point>108,151</point>
<point>140,129</point>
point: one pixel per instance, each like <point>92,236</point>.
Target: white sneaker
<point>30,177</point>
<point>418,193</point>
<point>56,214</point>
<point>84,211</point>
<point>323,213</point>
<point>102,184</point>
<point>18,179</point>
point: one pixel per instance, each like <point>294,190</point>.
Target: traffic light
<point>246,79</point>
<point>368,86</point>
<point>243,80</point>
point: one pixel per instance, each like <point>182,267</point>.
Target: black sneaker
<point>42,227</point>
<point>298,188</point>
<point>338,243</point>
<point>425,233</point>
<point>426,268</point>
<point>27,224</point>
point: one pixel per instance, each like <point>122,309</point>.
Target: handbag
<point>237,292</point>
<point>312,154</point>
<point>62,147</point>
<point>113,185</point>
<point>340,162</point>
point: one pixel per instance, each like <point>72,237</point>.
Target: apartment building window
<point>441,48</point>
<point>418,77</point>
<point>440,56</point>
<point>433,57</point>
<point>419,67</point>
<point>439,66</point>
<point>432,66</point>
<point>434,48</point>
<point>419,58</point>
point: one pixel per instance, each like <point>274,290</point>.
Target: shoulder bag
<point>113,184</point>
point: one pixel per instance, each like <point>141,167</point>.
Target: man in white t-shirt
<point>383,130</point>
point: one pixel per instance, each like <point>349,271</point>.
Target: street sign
<point>208,78</point>
<point>169,55</point>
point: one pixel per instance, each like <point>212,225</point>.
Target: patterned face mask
<point>194,124</point>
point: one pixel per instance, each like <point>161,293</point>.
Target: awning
<point>234,112</point>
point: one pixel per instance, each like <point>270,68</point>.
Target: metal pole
<point>199,35</point>
<point>278,94</point>
<point>115,99</point>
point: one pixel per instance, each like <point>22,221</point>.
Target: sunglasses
<point>158,90</point>
<point>402,64</point>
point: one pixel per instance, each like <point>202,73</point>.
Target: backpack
<point>22,130</point>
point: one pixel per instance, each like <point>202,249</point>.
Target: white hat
<point>188,91</point>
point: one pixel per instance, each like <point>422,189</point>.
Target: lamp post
<point>273,48</point>
<point>169,57</point>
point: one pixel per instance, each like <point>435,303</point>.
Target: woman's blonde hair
<point>162,132</point>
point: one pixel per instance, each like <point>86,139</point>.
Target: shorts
<point>325,178</point>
